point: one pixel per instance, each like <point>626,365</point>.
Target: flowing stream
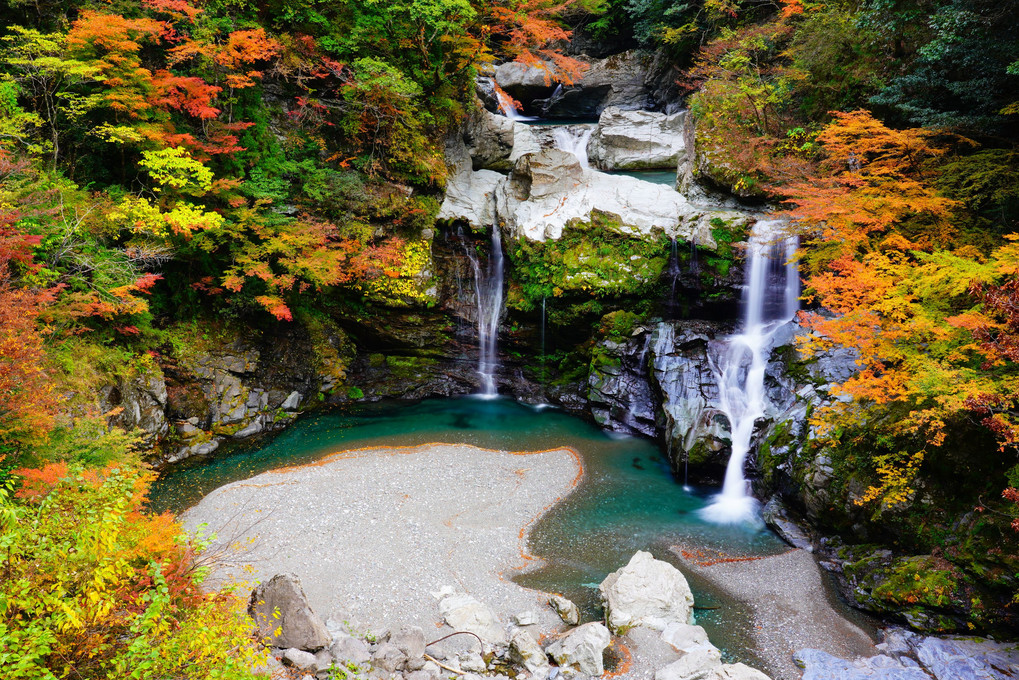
<point>575,142</point>
<point>770,299</point>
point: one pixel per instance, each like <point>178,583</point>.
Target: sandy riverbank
<point>372,533</point>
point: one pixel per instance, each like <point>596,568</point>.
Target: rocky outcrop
<point>646,592</point>
<point>637,140</point>
<point>617,80</point>
<point>284,618</point>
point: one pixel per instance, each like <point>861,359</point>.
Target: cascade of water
<point>770,299</point>
<point>574,142</point>
<point>489,292</point>
<point>543,338</point>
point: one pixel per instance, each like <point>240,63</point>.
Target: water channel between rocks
<point>627,501</point>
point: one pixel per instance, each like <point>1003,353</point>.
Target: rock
<point>818,665</point>
<point>617,80</point>
<point>281,604</point>
<point>470,195</point>
<point>388,657</point>
<point>646,592</point>
<point>464,613</point>
<point>738,671</point>
<point>699,665</point>
<point>292,402</point>
<point>637,140</point>
<point>323,660</point>
<point>526,618</point>
<point>565,608</point>
<point>300,659</point>
<point>473,661</point>
<point>411,641</point>
<point>489,139</point>
<point>777,516</point>
<point>545,194</point>
<point>421,675</point>
<point>347,649</point>
<point>582,648</point>
<point>688,639</point>
<point>959,658</point>
<point>526,651</point>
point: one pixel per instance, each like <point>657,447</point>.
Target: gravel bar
<point>371,533</point>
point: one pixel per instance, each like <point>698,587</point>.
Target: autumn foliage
<point>932,321</point>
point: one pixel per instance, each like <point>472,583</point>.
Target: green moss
<point>917,581</point>
<point>409,366</point>
<point>592,260</point>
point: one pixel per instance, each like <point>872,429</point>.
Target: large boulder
<point>525,650</point>
<point>489,139</point>
<point>464,613</point>
<point>283,617</point>
<point>646,592</point>
<point>637,140</point>
<point>549,190</point>
<point>818,665</point>
<point>962,658</point>
<point>470,194</point>
<point>582,648</point>
<point>617,80</point>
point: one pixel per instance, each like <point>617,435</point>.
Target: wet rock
<point>646,592</point>
<point>637,140</point>
<point>582,648</point>
<point>565,608</point>
<point>464,613</point>
<point>526,651</point>
<point>618,393</point>
<point>818,665</point>
<point>489,139</point>
<point>961,658</point>
<point>779,518</point>
<point>280,604</point>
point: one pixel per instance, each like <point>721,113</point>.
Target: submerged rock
<point>646,592</point>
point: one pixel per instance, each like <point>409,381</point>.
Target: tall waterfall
<point>770,299</point>
<point>573,142</point>
<point>489,295</point>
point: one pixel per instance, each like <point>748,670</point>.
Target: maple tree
<point>928,318</point>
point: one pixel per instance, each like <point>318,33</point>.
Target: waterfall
<point>573,142</point>
<point>489,296</point>
<point>507,108</point>
<point>674,271</point>
<point>770,299</point>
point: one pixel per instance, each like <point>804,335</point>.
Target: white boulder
<point>637,140</point>
<point>464,613</point>
<point>582,648</point>
<point>646,592</point>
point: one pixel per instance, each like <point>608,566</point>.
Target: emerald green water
<point>663,177</point>
<point>627,501</point>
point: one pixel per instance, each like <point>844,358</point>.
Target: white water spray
<point>770,299</point>
<point>507,108</point>
<point>574,142</point>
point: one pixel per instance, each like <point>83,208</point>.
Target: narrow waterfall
<point>573,142</point>
<point>489,295</point>
<point>507,108</point>
<point>770,299</point>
